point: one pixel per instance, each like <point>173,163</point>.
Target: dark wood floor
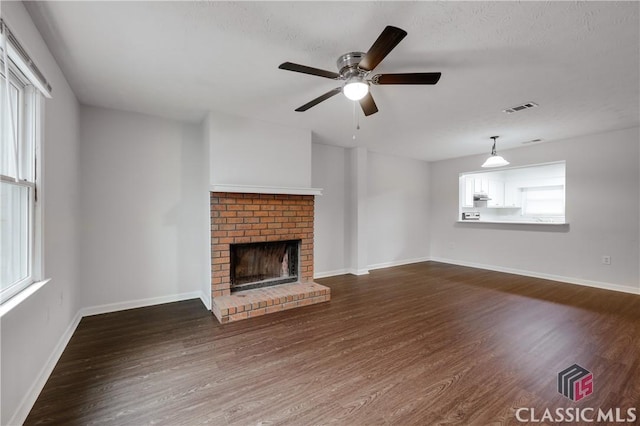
<point>421,344</point>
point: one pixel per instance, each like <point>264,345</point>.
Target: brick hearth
<point>238,218</point>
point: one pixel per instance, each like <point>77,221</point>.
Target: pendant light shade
<point>495,160</point>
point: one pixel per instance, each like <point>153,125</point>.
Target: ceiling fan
<point>354,69</point>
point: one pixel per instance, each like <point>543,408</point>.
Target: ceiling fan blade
<point>386,42</point>
<point>319,99</point>
<point>290,66</point>
<point>408,78</point>
<point>368,105</point>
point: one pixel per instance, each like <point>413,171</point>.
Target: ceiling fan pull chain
<point>354,120</point>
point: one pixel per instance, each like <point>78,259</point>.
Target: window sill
<point>10,304</point>
<point>513,222</point>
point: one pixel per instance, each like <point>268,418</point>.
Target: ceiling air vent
<point>531,141</point>
<point>520,107</point>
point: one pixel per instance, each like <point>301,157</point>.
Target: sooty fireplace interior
<point>257,265</point>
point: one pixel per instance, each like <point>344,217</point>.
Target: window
<point>543,201</point>
<point>20,233</point>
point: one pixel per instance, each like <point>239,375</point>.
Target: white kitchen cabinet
<point>511,194</point>
<point>493,188</point>
<point>481,185</point>
<point>496,193</point>
<point>467,200</point>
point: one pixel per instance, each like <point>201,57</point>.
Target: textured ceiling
<point>579,60</point>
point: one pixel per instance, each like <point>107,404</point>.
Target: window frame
<point>29,123</point>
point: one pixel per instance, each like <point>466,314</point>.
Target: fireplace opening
<point>266,264</point>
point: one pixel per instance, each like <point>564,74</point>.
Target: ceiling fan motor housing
<point>348,64</point>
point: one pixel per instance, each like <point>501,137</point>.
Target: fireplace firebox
<point>255,265</point>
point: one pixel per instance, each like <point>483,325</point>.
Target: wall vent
<point>520,107</point>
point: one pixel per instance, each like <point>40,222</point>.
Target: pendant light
<point>495,160</point>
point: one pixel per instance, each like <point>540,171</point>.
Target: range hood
<point>480,196</point>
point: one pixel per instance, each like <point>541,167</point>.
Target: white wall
<point>35,332</point>
<point>204,197</point>
<point>141,209</point>
<point>328,173</point>
<point>356,162</point>
<point>397,226</point>
<point>251,152</point>
<point>602,208</point>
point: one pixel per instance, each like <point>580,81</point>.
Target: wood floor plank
<point>426,343</point>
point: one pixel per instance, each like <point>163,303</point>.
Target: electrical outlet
<point>606,260</point>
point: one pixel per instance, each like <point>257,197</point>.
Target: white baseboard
<point>569,280</point>
<point>398,263</point>
<point>140,303</point>
<point>533,274</point>
<point>357,271</point>
<point>206,299</point>
<point>353,271</point>
<point>330,273</point>
<point>32,394</point>
<point>340,272</point>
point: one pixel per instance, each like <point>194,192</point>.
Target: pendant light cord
<point>493,150</point>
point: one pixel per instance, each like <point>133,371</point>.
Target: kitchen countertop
<point>513,222</point>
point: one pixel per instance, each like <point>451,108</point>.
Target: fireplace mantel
<point>255,189</point>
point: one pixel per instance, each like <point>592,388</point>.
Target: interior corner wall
<point>349,211</point>
<point>328,173</point>
<point>602,208</point>
<point>356,210</point>
<point>392,230</point>
<point>397,222</point>
<point>141,201</point>
<point>34,333</point>
<point>204,210</point>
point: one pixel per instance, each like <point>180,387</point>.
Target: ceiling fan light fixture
<point>495,160</point>
<point>355,88</point>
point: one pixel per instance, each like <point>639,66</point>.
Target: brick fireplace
<point>243,218</point>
